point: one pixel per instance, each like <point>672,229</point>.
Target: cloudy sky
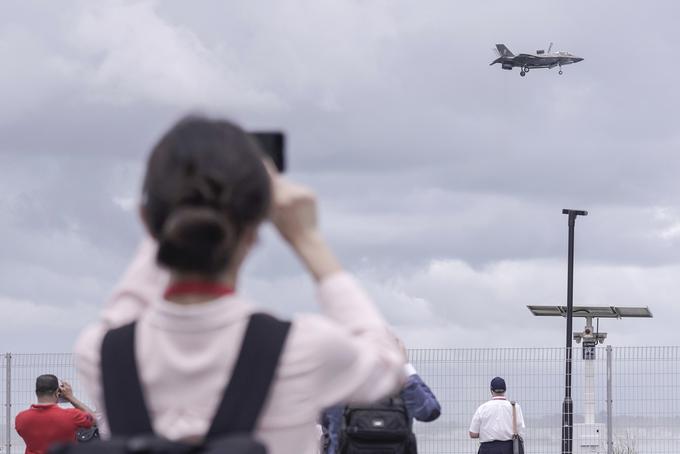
<point>441,179</point>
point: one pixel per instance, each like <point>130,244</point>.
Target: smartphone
<point>273,144</point>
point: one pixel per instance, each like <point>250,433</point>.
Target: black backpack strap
<point>126,410</point>
<point>252,377</point>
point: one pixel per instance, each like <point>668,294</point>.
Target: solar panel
<point>546,311</point>
<point>594,311</point>
<point>634,311</point>
<point>591,311</point>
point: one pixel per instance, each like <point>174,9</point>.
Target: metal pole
<point>568,404</point>
<point>610,398</point>
<point>8,403</point>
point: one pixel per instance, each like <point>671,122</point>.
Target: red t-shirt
<point>44,424</point>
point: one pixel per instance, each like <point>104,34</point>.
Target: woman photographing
<point>206,193</point>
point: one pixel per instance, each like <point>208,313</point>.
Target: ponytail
<point>197,239</point>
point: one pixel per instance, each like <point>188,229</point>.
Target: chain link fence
<point>646,408</point>
<point>625,399</point>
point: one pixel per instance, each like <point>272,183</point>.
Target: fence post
<point>610,397</point>
<point>8,403</point>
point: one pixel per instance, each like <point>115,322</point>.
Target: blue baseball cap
<point>498,385</point>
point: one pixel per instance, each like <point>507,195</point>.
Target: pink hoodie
<point>186,354</point>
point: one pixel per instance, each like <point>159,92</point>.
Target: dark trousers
<point>496,447</point>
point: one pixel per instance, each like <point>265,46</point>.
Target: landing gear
<point>560,71</point>
<point>524,71</point>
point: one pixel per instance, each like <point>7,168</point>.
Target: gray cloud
<point>441,178</point>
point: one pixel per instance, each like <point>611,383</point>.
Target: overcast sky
<point>441,178</point>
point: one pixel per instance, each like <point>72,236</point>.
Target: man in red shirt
<point>46,423</point>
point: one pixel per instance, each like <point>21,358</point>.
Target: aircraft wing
<point>543,63</point>
<point>524,59</point>
<point>536,61</point>
<point>528,57</point>
<point>548,66</point>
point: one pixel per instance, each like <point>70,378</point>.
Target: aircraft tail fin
<point>504,51</point>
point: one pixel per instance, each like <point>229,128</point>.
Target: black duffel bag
<point>382,427</point>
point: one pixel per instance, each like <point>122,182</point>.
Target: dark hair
<point>205,182</point>
<point>46,384</point>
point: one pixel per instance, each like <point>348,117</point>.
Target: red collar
<point>42,406</point>
<point>499,398</point>
<point>215,289</point>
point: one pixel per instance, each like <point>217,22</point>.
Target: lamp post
<point>590,431</point>
<point>568,404</point>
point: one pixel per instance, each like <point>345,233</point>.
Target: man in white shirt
<point>492,422</point>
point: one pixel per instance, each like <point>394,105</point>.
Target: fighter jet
<point>541,59</point>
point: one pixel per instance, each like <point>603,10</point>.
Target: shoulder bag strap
<point>126,410</point>
<point>253,374</point>
<point>514,419</point>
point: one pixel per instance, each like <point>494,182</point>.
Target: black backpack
<point>381,428</point>
<point>236,416</point>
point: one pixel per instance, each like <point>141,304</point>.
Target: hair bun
<point>196,239</point>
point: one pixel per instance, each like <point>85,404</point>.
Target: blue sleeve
<point>419,400</point>
<point>331,420</point>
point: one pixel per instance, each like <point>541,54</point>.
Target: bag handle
<point>252,377</point>
<point>126,410</point>
<point>514,419</point>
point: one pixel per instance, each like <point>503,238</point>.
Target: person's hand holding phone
<point>66,391</point>
<point>294,213</point>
